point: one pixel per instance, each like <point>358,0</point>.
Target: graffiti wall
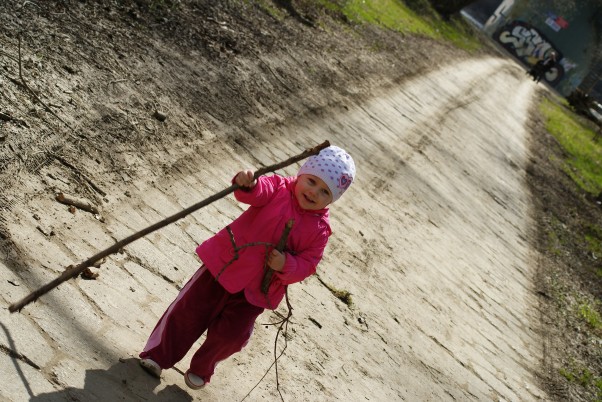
<point>530,30</point>
<point>530,46</point>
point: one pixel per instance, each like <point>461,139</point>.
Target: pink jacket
<point>272,203</point>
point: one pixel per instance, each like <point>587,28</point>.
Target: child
<point>225,299</point>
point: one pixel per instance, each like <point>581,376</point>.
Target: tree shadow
<point>12,352</point>
<point>124,381</point>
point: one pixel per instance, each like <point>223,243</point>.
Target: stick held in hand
<point>76,270</point>
<point>268,273</point>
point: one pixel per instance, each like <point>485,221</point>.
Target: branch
<point>282,324</point>
<point>76,170</point>
<point>269,272</point>
<point>74,271</point>
<point>83,205</point>
<point>35,95</point>
<point>237,249</point>
<point>272,71</point>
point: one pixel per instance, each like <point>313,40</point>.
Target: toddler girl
<point>224,296</point>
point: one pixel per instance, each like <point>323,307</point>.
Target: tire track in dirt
<point>431,241</point>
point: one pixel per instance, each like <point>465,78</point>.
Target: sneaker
<point>193,380</point>
<point>151,367</point>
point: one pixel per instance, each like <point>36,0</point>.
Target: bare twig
<point>237,249</point>
<point>63,199</point>
<point>76,170</point>
<point>116,81</point>
<point>10,56</point>
<point>73,272</point>
<point>272,71</point>
<point>284,324</point>
<point>268,272</point>
<point>28,2</point>
<point>5,117</point>
<point>35,95</point>
<point>267,246</point>
<point>281,324</point>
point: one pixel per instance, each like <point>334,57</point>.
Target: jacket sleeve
<point>262,192</point>
<point>300,266</point>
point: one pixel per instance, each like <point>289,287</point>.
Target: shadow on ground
<point>125,380</point>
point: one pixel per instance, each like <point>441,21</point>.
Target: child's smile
<point>312,193</point>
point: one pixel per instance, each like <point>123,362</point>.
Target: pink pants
<point>202,305</point>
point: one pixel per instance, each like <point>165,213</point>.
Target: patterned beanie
<point>334,166</point>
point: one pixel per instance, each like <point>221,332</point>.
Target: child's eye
<point>325,192</point>
<point>311,181</point>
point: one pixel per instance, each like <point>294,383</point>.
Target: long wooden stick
<point>76,270</point>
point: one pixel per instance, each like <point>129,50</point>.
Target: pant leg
<point>186,319</point>
<point>227,334</point>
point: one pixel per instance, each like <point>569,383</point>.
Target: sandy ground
<point>432,241</point>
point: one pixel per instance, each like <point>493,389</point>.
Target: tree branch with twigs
<point>74,271</point>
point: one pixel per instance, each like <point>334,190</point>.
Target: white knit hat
<point>334,166</point>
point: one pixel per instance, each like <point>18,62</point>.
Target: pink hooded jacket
<point>273,203</point>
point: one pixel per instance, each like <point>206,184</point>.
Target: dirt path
<point>432,241</point>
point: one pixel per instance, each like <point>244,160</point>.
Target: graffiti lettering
<point>527,44</point>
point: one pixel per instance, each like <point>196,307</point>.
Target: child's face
<point>312,193</point>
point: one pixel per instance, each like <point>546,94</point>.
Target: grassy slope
<point>574,238</point>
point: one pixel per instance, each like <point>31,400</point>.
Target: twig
<point>272,71</point>
<point>73,272</point>
<point>10,56</point>
<point>281,324</point>
<point>280,247</point>
<point>76,170</point>
<point>276,358</point>
<point>5,117</point>
<point>117,81</point>
<point>48,109</point>
<point>268,272</point>
<point>238,248</point>
<point>63,199</point>
<point>28,2</point>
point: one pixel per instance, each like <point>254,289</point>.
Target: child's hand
<point>276,260</point>
<point>244,178</point>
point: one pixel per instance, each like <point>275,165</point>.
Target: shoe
<point>193,381</point>
<point>151,367</point>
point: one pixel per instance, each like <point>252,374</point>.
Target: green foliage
<point>275,12</point>
<point>555,237</point>
<point>397,16</point>
<point>584,164</point>
<point>389,14</point>
<point>593,238</point>
<point>342,295</point>
<point>591,316</point>
<point>421,7</point>
<point>583,377</point>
